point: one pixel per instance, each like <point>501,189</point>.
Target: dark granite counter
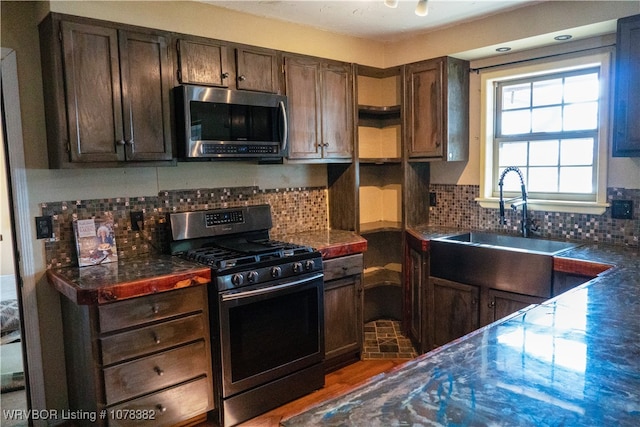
<point>127,278</point>
<point>330,243</point>
<point>573,360</point>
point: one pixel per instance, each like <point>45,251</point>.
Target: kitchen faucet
<point>515,202</point>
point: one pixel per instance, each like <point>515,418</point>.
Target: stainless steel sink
<point>514,243</point>
<point>508,263</point>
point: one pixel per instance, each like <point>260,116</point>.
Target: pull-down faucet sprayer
<point>521,202</point>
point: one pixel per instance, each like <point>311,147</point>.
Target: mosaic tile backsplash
<point>293,210</point>
<point>457,207</point>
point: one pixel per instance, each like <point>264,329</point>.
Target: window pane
<point>576,180</point>
<point>581,88</point>
<point>515,122</point>
<point>547,119</point>
<point>512,180</point>
<point>582,116</point>
<point>543,153</point>
<point>544,180</point>
<point>576,151</point>
<point>516,96</point>
<point>547,92</point>
<point>513,153</point>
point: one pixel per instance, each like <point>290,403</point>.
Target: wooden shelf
<point>379,117</point>
<point>373,227</point>
<point>380,161</point>
<point>382,276</point>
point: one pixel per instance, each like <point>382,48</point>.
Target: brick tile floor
<point>383,339</point>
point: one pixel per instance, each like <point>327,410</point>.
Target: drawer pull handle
<point>156,338</point>
<point>155,309</point>
<point>161,408</point>
<point>159,371</point>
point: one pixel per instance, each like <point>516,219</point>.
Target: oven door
<point>270,331</point>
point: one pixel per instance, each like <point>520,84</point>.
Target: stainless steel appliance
<point>217,123</point>
<point>266,308</point>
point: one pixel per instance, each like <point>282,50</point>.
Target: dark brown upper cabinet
<point>437,109</point>
<point>626,135</point>
<point>321,109</point>
<point>107,91</point>
<point>216,63</point>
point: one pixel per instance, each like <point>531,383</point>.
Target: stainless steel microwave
<point>218,123</point>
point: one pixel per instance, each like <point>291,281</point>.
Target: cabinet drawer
<point>152,373</point>
<point>342,267</point>
<point>153,338</point>
<point>146,309</point>
<point>167,407</point>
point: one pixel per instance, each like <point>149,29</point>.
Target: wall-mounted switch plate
<point>44,227</point>
<point>433,199</point>
<point>137,220</point>
<point>622,209</point>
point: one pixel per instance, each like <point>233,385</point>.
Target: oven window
<point>270,333</point>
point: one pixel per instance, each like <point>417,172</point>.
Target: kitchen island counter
<point>572,360</point>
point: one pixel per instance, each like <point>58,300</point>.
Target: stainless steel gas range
<point>266,308</point>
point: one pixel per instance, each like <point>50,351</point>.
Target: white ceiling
<point>371,18</point>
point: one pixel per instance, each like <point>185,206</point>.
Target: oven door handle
<point>262,291</point>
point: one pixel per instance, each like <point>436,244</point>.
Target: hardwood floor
<point>336,384</point>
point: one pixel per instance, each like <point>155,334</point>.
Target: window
<point>551,121</point>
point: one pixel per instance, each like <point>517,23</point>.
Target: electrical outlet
<point>622,209</point>
<point>137,220</point>
<point>433,199</point>
<point>44,227</point>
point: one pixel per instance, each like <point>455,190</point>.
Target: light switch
<point>44,227</point>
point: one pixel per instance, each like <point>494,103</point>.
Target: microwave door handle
<point>285,127</point>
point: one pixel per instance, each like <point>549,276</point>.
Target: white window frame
<point>602,58</point>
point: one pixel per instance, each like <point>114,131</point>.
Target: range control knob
<point>252,277</point>
<point>276,272</point>
<point>297,267</point>
<point>309,265</point>
<point>237,279</point>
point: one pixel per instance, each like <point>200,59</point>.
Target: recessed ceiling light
<point>503,49</point>
<point>563,37</point>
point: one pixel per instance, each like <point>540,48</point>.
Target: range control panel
<point>219,218</point>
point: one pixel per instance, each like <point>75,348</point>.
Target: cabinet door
<point>202,63</point>
<point>502,304</point>
<point>257,69</point>
<point>302,80</point>
<point>93,94</point>
<point>415,297</point>
<point>424,109</point>
<point>146,81</point>
<point>342,314</point>
<point>455,310</point>
<point>337,111</point>
<point>626,138</point>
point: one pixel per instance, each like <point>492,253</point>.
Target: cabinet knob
<point>159,371</point>
<point>121,142</point>
<point>129,142</point>
<point>242,78</point>
<point>225,75</point>
<point>155,309</point>
<point>156,338</point>
<point>492,304</point>
<point>160,408</point>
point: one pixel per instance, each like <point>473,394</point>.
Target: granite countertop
<point>573,360</point>
<point>127,278</point>
<point>330,243</point>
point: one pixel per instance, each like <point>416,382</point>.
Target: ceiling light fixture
<point>563,37</point>
<point>391,3</point>
<point>422,9</point>
<point>503,49</point>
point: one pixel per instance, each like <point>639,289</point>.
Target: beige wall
<point>19,32</point>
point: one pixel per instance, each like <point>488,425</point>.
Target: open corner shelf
<point>379,117</point>
<point>382,276</point>
<point>378,226</point>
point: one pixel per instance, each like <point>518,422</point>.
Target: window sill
<point>592,208</point>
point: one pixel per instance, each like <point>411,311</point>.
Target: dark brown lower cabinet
<point>501,304</point>
<point>455,310</point>
<point>343,308</point>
